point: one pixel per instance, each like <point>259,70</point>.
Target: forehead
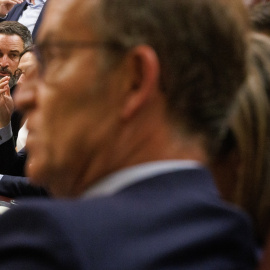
<point>68,20</point>
<point>11,42</point>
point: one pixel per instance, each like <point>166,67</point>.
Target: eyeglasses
<point>47,50</point>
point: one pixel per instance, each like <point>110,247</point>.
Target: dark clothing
<point>16,118</point>
<point>13,184</point>
<point>18,187</point>
<point>11,162</point>
<point>171,221</point>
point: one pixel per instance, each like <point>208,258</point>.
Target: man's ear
<point>143,72</point>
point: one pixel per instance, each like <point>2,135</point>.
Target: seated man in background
<point>14,38</point>
<point>11,162</point>
<point>124,113</point>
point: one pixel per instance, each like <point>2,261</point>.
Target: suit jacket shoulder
<point>17,187</point>
<point>171,221</point>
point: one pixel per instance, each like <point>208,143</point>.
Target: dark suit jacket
<point>171,221</point>
<point>13,184</point>
<point>17,11</point>
<point>18,187</point>
<point>11,162</point>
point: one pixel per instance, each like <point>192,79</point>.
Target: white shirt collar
<point>119,180</point>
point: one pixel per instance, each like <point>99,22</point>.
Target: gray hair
<point>201,47</point>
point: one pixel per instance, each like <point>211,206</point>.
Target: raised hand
<point>6,102</point>
<point>7,5</point>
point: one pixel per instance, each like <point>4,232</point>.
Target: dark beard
<point>12,80</point>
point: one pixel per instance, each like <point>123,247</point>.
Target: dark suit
<point>13,184</point>
<point>172,221</point>
<point>11,162</point>
<point>17,187</point>
<point>17,11</point>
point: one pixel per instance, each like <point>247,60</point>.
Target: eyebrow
<point>50,35</point>
<point>14,51</point>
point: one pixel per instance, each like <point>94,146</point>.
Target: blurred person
<point>242,169</point>
<point>28,13</point>
<point>124,114</point>
<point>251,3</point>
<point>260,18</point>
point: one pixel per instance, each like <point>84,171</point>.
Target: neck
<point>135,147</point>
<point>128,143</point>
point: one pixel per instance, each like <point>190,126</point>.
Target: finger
<point>14,2</point>
<point>3,85</point>
<point>5,90</point>
<point>6,78</point>
<point>2,91</point>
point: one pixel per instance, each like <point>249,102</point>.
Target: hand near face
<point>7,5</point>
<point>6,102</point>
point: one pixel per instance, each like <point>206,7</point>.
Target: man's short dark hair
<point>16,28</point>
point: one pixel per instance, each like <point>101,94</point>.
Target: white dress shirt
<point>30,14</point>
<point>22,136</point>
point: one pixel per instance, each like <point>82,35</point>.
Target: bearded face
<point>6,72</point>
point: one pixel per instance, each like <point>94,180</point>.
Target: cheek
<point>13,66</point>
<point>61,118</point>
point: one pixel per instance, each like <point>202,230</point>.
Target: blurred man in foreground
<point>124,111</point>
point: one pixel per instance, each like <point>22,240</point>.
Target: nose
<point>4,61</point>
<point>26,92</point>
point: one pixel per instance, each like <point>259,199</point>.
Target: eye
<point>14,56</point>
<point>49,54</point>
